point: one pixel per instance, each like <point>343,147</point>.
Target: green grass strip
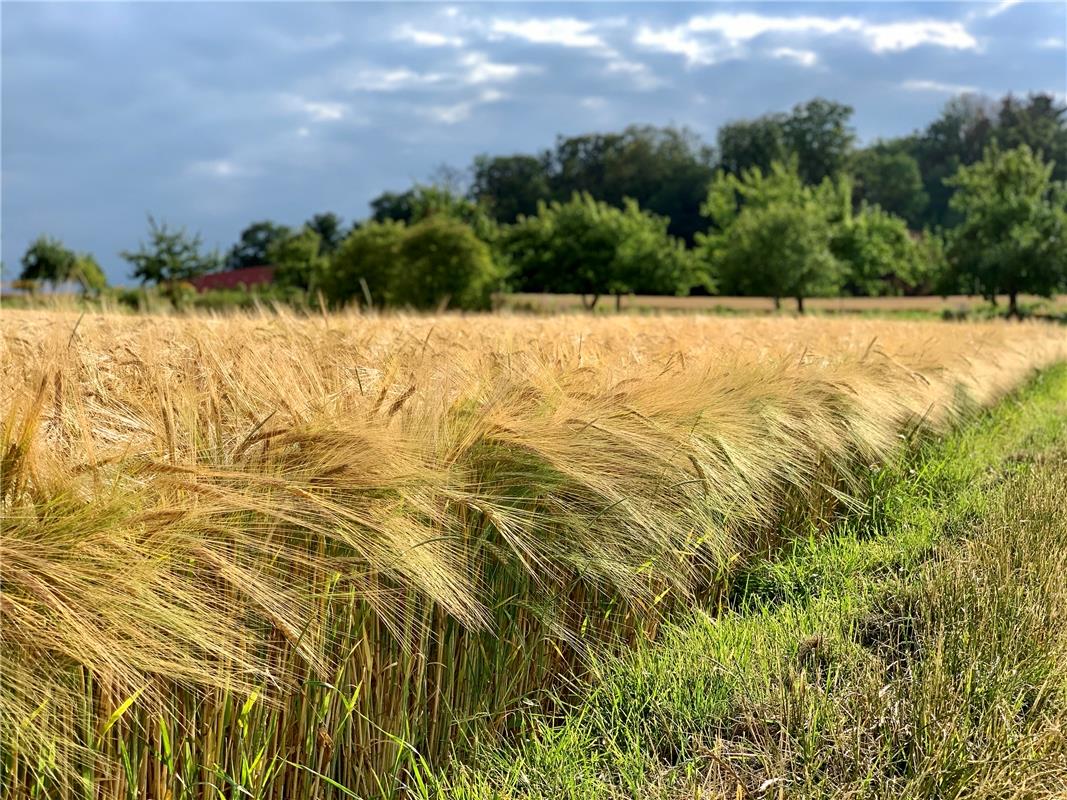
<point>920,650</point>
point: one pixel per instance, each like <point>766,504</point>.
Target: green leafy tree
<point>297,258</point>
<point>816,133</point>
<point>819,135</point>
<point>879,255</point>
<point>88,274</point>
<point>772,233</point>
<point>330,229</point>
<point>1013,234</point>
<point>510,186</point>
<point>252,248</point>
<point>47,260</point>
<point>170,256</point>
<point>666,170</point>
<point>888,176</point>
<point>424,201</point>
<point>592,248</point>
<point>749,144</point>
<point>364,264</point>
<point>443,262</point>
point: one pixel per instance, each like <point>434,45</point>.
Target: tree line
<point>784,205</point>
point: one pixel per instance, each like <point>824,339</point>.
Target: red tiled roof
<point>234,278</point>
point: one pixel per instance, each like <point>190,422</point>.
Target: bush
<point>442,262</point>
<point>438,260</point>
<point>370,253</point>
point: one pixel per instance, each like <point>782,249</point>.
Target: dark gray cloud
<point>211,115</point>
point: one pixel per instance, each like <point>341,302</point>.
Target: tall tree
<point>1013,236</point>
<point>297,258</point>
<point>251,249</point>
<point>1039,122</point>
<point>589,247</point>
<point>819,134</point>
<point>48,260</point>
<point>748,144</point>
<point>887,176</point>
<point>170,256</point>
<point>772,233</point>
<point>510,186</point>
<point>330,229</point>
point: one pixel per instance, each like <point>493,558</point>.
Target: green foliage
<point>170,256</point>
<point>47,260</point>
<point>369,254</point>
<point>510,186</point>
<point>424,201</point>
<point>88,274</point>
<point>819,135</point>
<point>296,258</point>
<point>816,133</point>
<point>772,233</point>
<point>330,229</point>
<point>252,250</point>
<point>443,263</point>
<point>1013,237</point>
<point>879,254</point>
<point>889,177</point>
<point>591,248</point>
<point>438,260</point>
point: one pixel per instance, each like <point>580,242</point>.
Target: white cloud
<point>458,112</point>
<point>479,69</point>
<point>392,80</point>
<point>423,38</point>
<point>593,103</point>
<point>898,36</point>
<point>713,38</point>
<point>938,86</point>
<point>1001,7</point>
<point>315,110</point>
<point>563,31</point>
<point>1052,43</point>
<point>678,41</point>
<point>806,58</point>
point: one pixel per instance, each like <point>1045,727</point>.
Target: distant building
<point>244,278</point>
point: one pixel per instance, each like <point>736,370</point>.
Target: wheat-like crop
<point>269,555</point>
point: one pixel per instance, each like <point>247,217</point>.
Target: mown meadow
<point>282,556</point>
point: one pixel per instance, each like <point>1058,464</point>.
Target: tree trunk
<point>618,303</point>
<point>1013,304</point>
<point>800,305</point>
<point>590,304</point>
<point>777,303</point>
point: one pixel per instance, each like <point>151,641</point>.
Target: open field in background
<point>279,555</point>
<point>929,304</point>
<point>955,307</point>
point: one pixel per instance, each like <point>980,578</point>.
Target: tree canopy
<point>1013,234</point>
<point>170,256</point>
<point>591,248</point>
<point>48,260</point>
<point>772,233</point>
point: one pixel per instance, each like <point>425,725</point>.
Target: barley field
<point>277,556</point>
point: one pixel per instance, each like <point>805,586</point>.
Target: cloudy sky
<point>210,115</point>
